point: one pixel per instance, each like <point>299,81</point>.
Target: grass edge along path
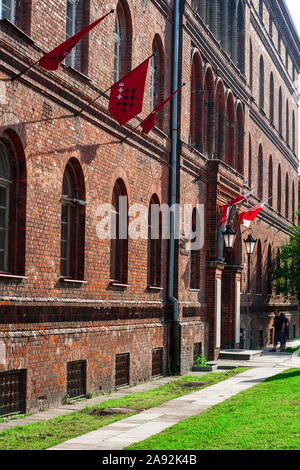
<point>263,417</point>
<point>45,434</point>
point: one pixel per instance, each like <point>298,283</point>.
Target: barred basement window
<point>7,10</point>
<point>12,392</point>
<point>76,379</point>
<point>157,362</point>
<point>197,351</point>
<point>122,370</point>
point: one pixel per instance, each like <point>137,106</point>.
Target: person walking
<point>278,330</point>
<point>285,329</point>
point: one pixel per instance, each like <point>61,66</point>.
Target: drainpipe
<point>175,336</point>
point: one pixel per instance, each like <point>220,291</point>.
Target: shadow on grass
<point>284,375</point>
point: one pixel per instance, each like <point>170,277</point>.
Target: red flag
<point>148,123</point>
<point>52,60</point>
<point>224,209</point>
<point>248,216</point>
<point>126,95</point>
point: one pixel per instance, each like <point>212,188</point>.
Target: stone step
<point>239,354</point>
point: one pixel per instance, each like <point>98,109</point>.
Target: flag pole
<point>130,133</point>
<point>77,113</point>
<point>103,92</point>
<point>24,71</point>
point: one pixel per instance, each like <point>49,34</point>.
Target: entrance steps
<point>239,354</point>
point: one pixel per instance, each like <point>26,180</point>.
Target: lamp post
<point>250,244</point>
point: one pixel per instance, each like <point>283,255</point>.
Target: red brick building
<point>80,314</point>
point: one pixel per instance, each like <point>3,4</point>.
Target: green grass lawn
<point>292,350</point>
<point>264,417</point>
<point>44,434</point>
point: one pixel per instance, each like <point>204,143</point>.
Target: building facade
<point>81,313</point>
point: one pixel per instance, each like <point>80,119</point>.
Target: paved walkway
<point>136,428</point>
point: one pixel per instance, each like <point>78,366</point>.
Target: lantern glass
<point>250,244</point>
<point>229,237</point>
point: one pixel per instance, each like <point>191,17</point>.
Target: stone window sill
<point>155,288</point>
<point>115,283</point>
<point>73,281</point>
<point>12,276</point>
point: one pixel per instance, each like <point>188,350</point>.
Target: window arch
<point>122,40</point>
<point>280,111</point>
<point>261,83</point>
<point>157,79</point>
<point>271,98</point>
<point>119,237</point>
<point>240,139</point>
<point>209,113</point>
<point>260,169</point>
<point>12,204</point>
<point>241,36</point>
<point>287,196</point>
<point>259,268</point>
<point>270,182</point>
<point>154,242</point>
<point>220,120</point>
<point>196,114</point>
<point>230,131</point>
<point>279,189</point>
<point>194,260</point>
<point>72,222</point>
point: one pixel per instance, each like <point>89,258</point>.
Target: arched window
<point>260,169</point>
<point>209,114</point>
<point>239,166</point>
<point>119,236</point>
<point>232,30</point>
<point>293,132</point>
<point>157,79</point>
<point>241,36</point>
<point>269,270</point>
<point>230,131</point>
<point>220,121</point>
<point>72,222</point>
<point>77,17</point>
<point>279,189</point>
<point>250,163</point>
<point>122,40</point>
<point>5,195</point>
<point>261,9</point>
<point>259,268</point>
<point>293,203</point>
<point>287,123</point>
<point>196,114</point>
<point>280,111</point>
<point>12,204</point>
<point>251,65</point>
<point>261,83</point>
<point>287,196</point>
<point>270,182</point>
<point>194,261</point>
<point>154,243</point>
<point>272,98</point>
